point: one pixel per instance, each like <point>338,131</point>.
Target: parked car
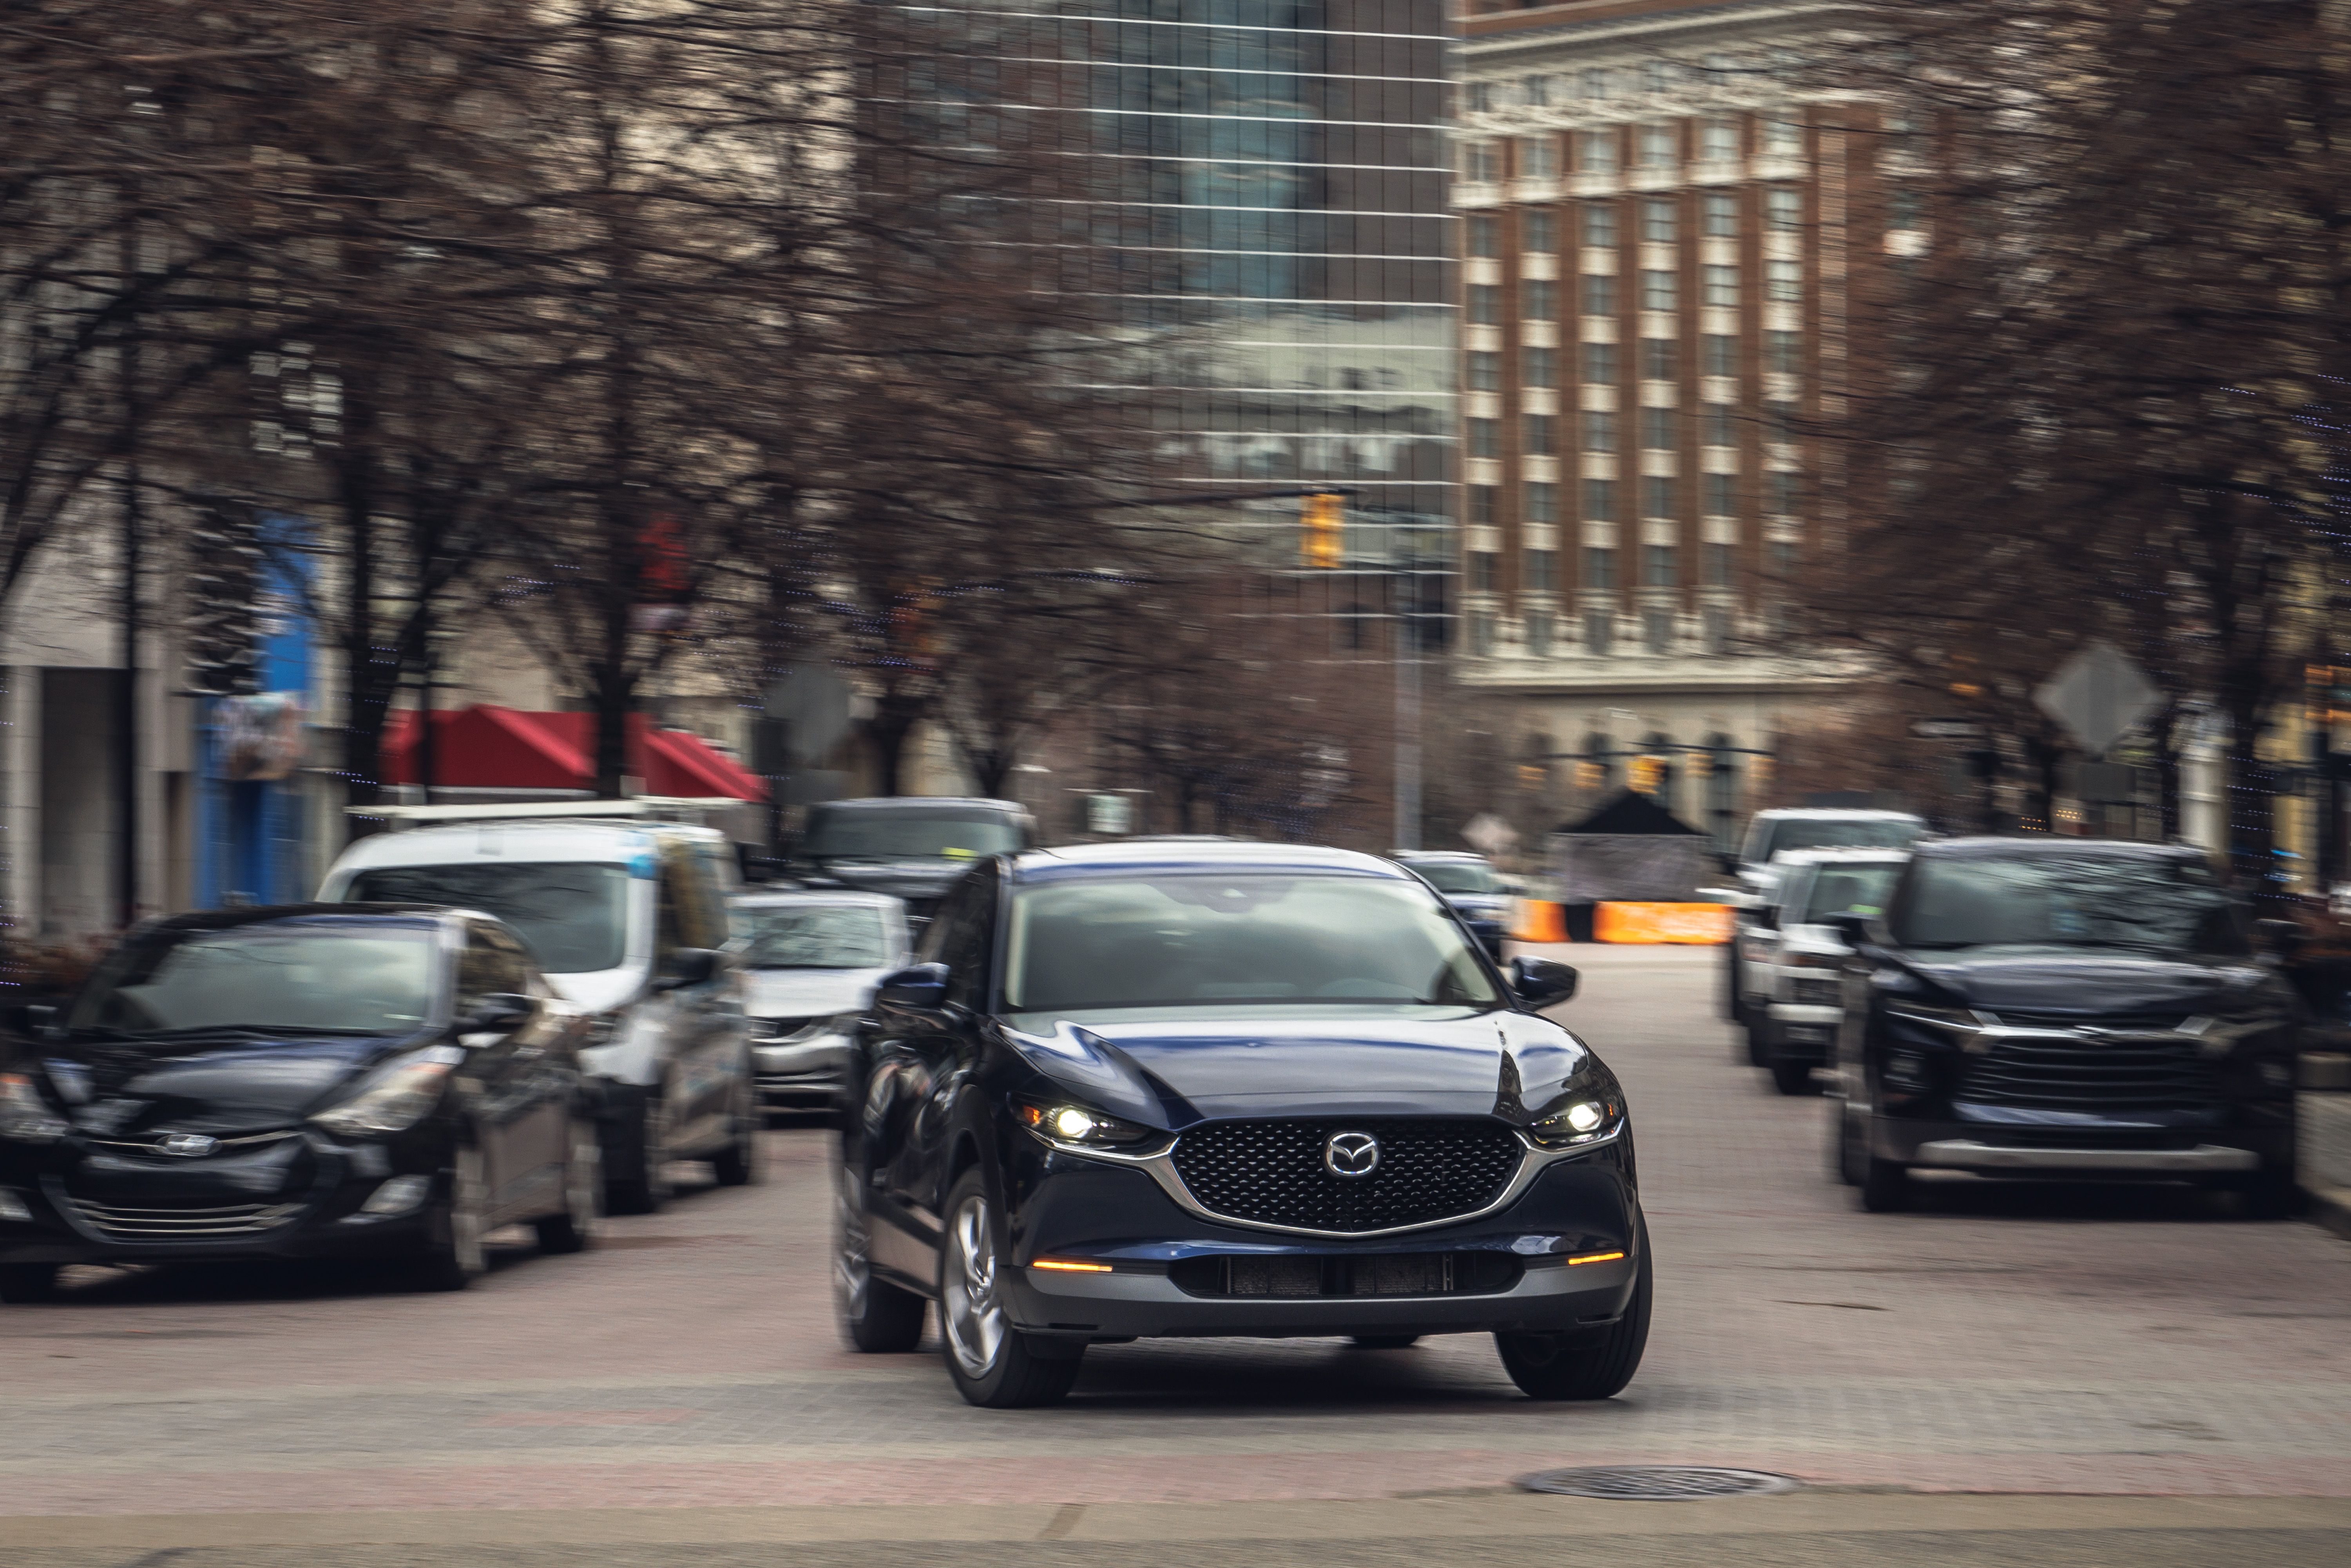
<point>2071,1007</point>
<point>298,1081</point>
<point>911,847</point>
<point>1780,831</point>
<point>1470,884</point>
<point>1197,1088</point>
<point>628,917</point>
<point>810,961</point>
<point>1794,959</point>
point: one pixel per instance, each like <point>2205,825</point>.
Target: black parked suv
<point>911,847</point>
<point>2063,1008</point>
<point>1168,1087</point>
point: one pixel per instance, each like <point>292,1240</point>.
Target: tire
<point>1385,1341</point>
<point>1758,1051</point>
<point>574,1228</point>
<point>2270,1193</point>
<point>26,1284</point>
<point>456,1257</point>
<point>1884,1183</point>
<point>1731,1006</point>
<point>993,1364</point>
<point>744,1162</point>
<point>637,1164</point>
<point>1842,1165</point>
<point>875,1316</point>
<point>1791,1077</point>
<point>1587,1365</point>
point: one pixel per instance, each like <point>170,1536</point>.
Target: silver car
<point>811,958</point>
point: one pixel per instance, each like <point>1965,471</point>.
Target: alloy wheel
<point>852,1266</point>
<point>468,1197</point>
<point>972,1315</point>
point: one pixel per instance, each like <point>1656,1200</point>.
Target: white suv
<point>1793,963</point>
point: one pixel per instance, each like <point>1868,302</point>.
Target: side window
<point>488,967</point>
<point>971,942</point>
<point>693,909</point>
<point>932,947</point>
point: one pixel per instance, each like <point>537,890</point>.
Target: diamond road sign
<point>2100,694</point>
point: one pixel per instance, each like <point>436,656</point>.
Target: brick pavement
<point>2003,1340</point>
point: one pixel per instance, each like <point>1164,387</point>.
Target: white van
<point>628,919</point>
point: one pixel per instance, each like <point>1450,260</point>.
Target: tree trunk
<point>2249,793</point>
<point>368,683</point>
<point>893,720</point>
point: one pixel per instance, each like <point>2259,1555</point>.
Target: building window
<point>1718,353</point>
<point>1542,367</point>
<point>1599,430</point>
<point>1715,627</point>
<point>1542,570</point>
<point>1721,494</point>
<point>1780,422</point>
<point>1719,215</point>
<point>1599,294</point>
<point>1594,84</point>
<point>1485,303</point>
<point>1660,359</point>
<point>1656,496</point>
<point>1717,565</point>
<point>1657,290</point>
<point>1478,96</point>
<point>1481,505</point>
<point>1600,501</point>
<point>1660,146</point>
<point>1485,371</point>
<point>1718,141</point>
<point>1600,364</point>
<point>1783,353</point>
<point>1542,440</point>
<point>1657,429</point>
<point>1784,493</point>
<point>1905,209</point>
<point>1537,92</point>
<point>1599,568</point>
<point>1485,438</point>
<point>1783,281</point>
<point>1657,219</point>
<point>1538,158</point>
<point>1595,152</point>
<point>1481,162</point>
<point>1542,503</point>
<point>1721,286</point>
<point>1481,633</point>
<point>1658,629</point>
<point>1542,231</point>
<point>1783,209</point>
<point>1599,631</point>
<point>1600,225</point>
<point>1656,75</point>
<point>1482,571</point>
<point>1539,634</point>
<point>1542,298</point>
<point>1784,138</point>
<point>1485,236</point>
<point>1714,422</point>
<point>1779,559</point>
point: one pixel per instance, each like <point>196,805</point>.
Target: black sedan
<point>317,1080</point>
<point>2063,1008</point>
<point>1191,1089</point>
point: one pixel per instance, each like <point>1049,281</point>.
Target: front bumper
<point>1801,1032</point>
<point>2115,1151</point>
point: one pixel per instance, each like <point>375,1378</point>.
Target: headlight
<point>1586,1119</point>
<point>396,1099</point>
<point>25,1116</point>
<point>1058,1122</point>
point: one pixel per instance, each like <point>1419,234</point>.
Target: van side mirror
<point>923,987</point>
<point>1542,983</point>
<point>687,966</point>
<point>1850,923</point>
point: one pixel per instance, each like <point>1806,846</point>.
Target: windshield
<point>918,833</point>
<point>2170,907</point>
<point>1860,888</point>
<point>812,937</point>
<point>1218,939</point>
<point>376,983</point>
<point>573,914</point>
<point>1879,833</point>
<point>1458,876</point>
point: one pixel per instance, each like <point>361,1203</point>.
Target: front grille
<point>2025,1018</point>
<point>1817,993</point>
<point>150,1143</point>
<point>1364,1274</point>
<point>2054,1074</point>
<point>1272,1172</point>
<point>122,1224</point>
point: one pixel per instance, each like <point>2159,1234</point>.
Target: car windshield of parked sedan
<point>1458,876</point>
<point>812,937</point>
<point>379,982</point>
<point>572,914</point>
<point>924,833</point>
<point>1220,939</point>
<point>1860,888</point>
<point>2147,905</point>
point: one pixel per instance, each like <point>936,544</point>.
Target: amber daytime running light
<point>1066,1267</point>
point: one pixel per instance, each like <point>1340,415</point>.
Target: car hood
<point>808,993</point>
<point>1171,1073</point>
<point>1477,906</point>
<point>223,1083</point>
<point>2098,983</point>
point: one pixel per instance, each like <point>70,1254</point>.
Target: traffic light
<point>1323,541</point>
<point>1645,773</point>
<point>1589,775</point>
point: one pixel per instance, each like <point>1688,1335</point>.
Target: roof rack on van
<point>691,808</point>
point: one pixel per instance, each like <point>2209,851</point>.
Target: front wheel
<point>456,1257</point>
<point>1585,1367</point>
<point>875,1316</point>
<point>636,1161</point>
<point>573,1230</point>
<point>1884,1183</point>
<point>1791,1077</point>
<point>994,1365</point>
<point>744,1162</point>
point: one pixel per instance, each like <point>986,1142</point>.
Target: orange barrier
<point>1538,921</point>
<point>1697,923</point>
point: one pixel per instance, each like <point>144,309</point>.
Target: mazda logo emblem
<point>188,1145</point>
<point>1351,1154</point>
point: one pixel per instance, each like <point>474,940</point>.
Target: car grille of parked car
<point>152,1144</point>
<point>120,1224</point>
<point>1817,993</point>
<point>2025,1019</point>
<point>2054,1072</point>
<point>1272,1173</point>
<point>1366,1274</point>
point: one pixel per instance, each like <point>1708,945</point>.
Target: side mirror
<point>1766,915</point>
<point>921,987</point>
<point>1542,983</point>
<point>500,1012</point>
<point>1850,923</point>
<point>687,966</point>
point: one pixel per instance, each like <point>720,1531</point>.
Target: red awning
<point>487,748</point>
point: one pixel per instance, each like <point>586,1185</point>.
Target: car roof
<point>339,916</point>
<point>1077,861</point>
<point>764,896</point>
<point>574,838</point>
<point>1836,814</point>
<point>2051,846</point>
<point>920,802</point>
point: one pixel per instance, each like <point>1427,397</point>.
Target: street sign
<point>1489,835</point>
<point>1947,730</point>
<point>2100,694</point>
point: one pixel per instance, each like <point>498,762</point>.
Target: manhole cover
<point>1656,1483</point>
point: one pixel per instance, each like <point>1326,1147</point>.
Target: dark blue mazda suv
<point>1193,1087</point>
